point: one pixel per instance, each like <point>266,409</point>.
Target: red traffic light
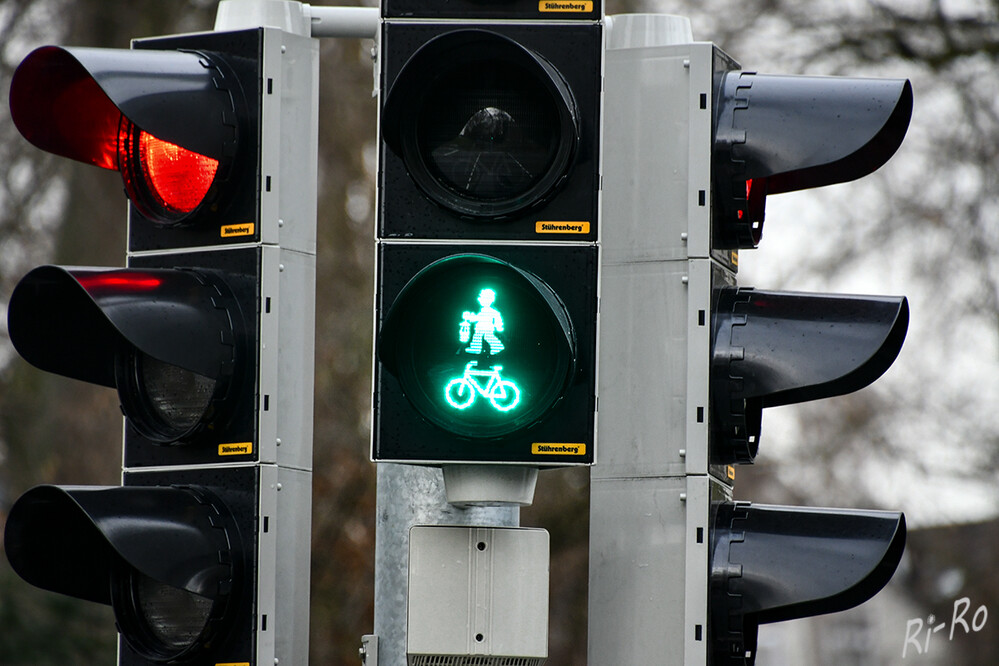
<point>146,114</point>
<point>168,179</point>
<point>777,134</point>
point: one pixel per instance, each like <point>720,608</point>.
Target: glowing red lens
<point>749,188</point>
<point>177,177</point>
<point>166,182</point>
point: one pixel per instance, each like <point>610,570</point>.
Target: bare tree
<point>926,225</point>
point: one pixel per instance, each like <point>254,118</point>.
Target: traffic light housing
<point>487,255</point>
<point>774,134</point>
<point>773,348</point>
<point>171,566</point>
<point>776,563</point>
<point>174,343</point>
<point>177,168</point>
<point>754,156</point>
<point>207,335</point>
<point>690,359</point>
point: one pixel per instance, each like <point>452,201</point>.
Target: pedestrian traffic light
<point>690,359</point>
<point>206,334</point>
<point>486,294</point>
<point>537,357</point>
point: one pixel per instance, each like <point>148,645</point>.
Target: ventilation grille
<point>454,660</point>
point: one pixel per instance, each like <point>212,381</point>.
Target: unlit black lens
<point>489,132</point>
<point>176,618</point>
<point>177,396</point>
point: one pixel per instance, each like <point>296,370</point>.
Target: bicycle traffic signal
<point>487,228</point>
<point>690,359</point>
<point>207,336</point>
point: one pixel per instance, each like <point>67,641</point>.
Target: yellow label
<point>730,470</point>
<point>565,6</point>
<point>235,663</point>
<point>735,257</point>
<point>237,449</point>
<point>230,230</point>
<point>562,227</point>
<point>558,449</point>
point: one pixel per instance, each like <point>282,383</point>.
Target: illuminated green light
<point>487,323</point>
<point>476,328</point>
<point>480,348</point>
<point>502,393</point>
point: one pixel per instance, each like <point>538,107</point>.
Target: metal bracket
<point>369,650</point>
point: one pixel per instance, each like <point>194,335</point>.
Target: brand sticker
<point>562,227</point>
<point>565,6</point>
<point>238,449</point>
<point>558,449</point>
<point>230,230</point>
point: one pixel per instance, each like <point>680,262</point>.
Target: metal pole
<point>409,495</point>
<point>298,18</point>
<point>345,21</point>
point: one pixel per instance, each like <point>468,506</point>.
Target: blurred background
<point>924,439</point>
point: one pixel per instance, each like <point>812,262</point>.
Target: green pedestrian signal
<point>487,322</point>
<point>480,356</point>
<point>503,394</point>
<point>480,348</point>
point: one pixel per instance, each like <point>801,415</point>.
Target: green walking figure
<point>487,322</point>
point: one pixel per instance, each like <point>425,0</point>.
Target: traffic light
<point>753,156</point>
<point>775,348</point>
<point>487,253</point>
<point>206,334</point>
<point>690,359</point>
<point>174,342</point>
<point>177,169</point>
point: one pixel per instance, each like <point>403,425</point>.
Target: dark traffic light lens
<point>179,397</point>
<point>174,617</point>
<point>488,134</point>
<point>485,126</point>
<point>164,402</point>
<point>160,622</point>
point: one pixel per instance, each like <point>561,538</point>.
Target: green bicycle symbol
<point>501,393</point>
